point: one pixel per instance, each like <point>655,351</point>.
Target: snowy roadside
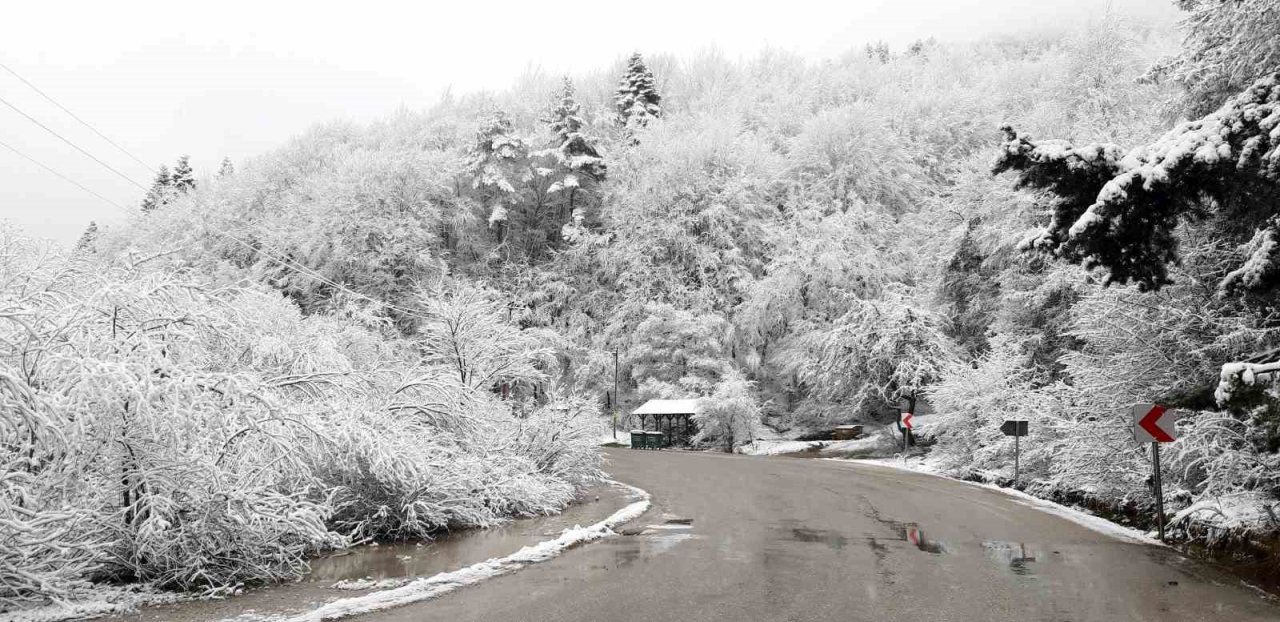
<point>91,600</point>
<point>438,585</point>
<point>779,446</point>
<point>1075,515</point>
<point>98,600</point>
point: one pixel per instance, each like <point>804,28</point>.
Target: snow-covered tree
<point>730,416</point>
<point>674,353</point>
<point>468,333</point>
<point>161,192</point>
<point>574,149</point>
<point>227,169</point>
<point>881,353</point>
<point>636,100</point>
<point>89,239</point>
<point>184,179</point>
<point>1119,210</point>
<point>200,437</point>
<point>579,166</point>
<point>1226,47</point>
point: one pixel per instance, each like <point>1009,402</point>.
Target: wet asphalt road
<point>808,540</point>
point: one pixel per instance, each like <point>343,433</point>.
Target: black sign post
<point>1016,428</point>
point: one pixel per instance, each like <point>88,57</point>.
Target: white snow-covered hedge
<point>156,428</point>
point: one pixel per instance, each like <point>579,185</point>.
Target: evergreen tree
<point>577,163</point>
<point>1121,210</point>
<point>184,179</point>
<point>227,169</point>
<point>637,98</point>
<point>1226,46</point>
<point>88,239</point>
<point>161,190</point>
<point>575,150</point>
<point>496,163</point>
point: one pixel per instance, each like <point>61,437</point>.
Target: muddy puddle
<point>388,563</point>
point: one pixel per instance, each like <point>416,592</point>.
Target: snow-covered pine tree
<point>184,179</point>
<point>577,162</point>
<point>496,164</point>
<point>227,169</point>
<point>637,99</point>
<point>161,190</point>
<point>575,150</point>
<point>1120,210</point>
<point>88,240</point>
<point>1226,46</point>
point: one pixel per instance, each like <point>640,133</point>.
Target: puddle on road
<point>652,539</point>
<point>391,562</point>
<point>910,533</point>
<point>830,538</point>
<point>1016,556</point>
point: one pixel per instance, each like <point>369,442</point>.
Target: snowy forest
<point>387,330</point>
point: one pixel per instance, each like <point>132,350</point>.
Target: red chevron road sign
<point>1153,423</point>
<point>906,421</point>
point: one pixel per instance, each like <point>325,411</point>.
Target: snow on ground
<point>1244,510</point>
<point>607,435</point>
<point>1080,517</point>
<point>624,439</point>
<point>866,443</point>
<point>775,447</point>
<point>97,600</point>
<point>437,585</point>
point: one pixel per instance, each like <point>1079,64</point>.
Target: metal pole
<point>1155,457</point>
<point>904,440</point>
<point>1017,452</point>
<point>615,395</point>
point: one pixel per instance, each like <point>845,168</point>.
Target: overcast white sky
<point>233,78</point>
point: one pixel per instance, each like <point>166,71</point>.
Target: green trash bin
<point>639,439</point>
<point>657,440</point>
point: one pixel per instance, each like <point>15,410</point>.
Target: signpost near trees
<point>1154,423</point>
<point>1016,428</point>
<point>904,422</point>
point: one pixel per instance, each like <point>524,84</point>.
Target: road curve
<point>810,540</point>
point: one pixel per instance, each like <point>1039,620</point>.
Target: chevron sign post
<point>1154,423</point>
<point>905,422</point>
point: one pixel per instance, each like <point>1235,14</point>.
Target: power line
<point>75,146</point>
<point>73,116</point>
<point>60,175</point>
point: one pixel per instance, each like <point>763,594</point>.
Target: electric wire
<point>73,145</point>
<point>60,175</point>
<point>76,117</point>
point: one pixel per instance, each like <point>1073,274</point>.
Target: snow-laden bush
<point>418,466</point>
<point>156,428</point>
<point>974,399</point>
<point>730,415</point>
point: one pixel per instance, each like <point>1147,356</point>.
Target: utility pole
<point>615,395</point>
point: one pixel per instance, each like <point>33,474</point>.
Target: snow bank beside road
<point>443,583</point>
<point>775,447</point>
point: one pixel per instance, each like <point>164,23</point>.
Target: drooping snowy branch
<point>1118,211</point>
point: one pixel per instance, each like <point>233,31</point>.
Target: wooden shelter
<point>674,418</point>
